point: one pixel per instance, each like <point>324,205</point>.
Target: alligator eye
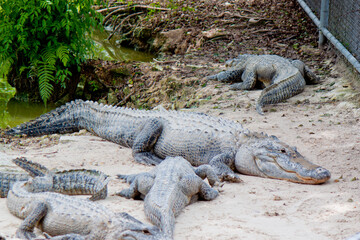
<point>283,150</point>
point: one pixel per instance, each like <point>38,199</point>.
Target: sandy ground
<point>326,132</point>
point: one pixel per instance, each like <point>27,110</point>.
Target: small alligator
<point>70,182</point>
<point>197,137</point>
<point>68,217</point>
<point>168,188</point>
<point>281,77</point>
<point>355,237</point>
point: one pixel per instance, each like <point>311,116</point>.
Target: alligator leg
<point>25,231</point>
<point>70,236</point>
<point>130,234</point>
<point>135,225</point>
<point>128,178</point>
<point>191,185</point>
<point>227,76</point>
<point>309,76</point>
<point>141,185</point>
<point>145,141</point>
<point>206,171</point>
<point>221,164</point>
<point>206,192</point>
<point>249,77</point>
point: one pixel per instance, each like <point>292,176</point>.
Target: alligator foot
<point>220,163</point>
<point>212,77</point>
<point>147,158</point>
<point>231,177</point>
<point>130,234</point>
<point>259,109</point>
<point>206,171</point>
<point>71,236</point>
<point>24,234</point>
<point>140,184</point>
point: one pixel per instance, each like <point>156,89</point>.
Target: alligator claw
<point>23,234</point>
<point>218,186</point>
<point>231,178</point>
<point>259,109</point>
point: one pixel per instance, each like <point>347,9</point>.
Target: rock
<point>170,41</point>
<point>215,32</point>
<point>310,50</point>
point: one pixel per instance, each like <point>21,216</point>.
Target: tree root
<point>125,13</point>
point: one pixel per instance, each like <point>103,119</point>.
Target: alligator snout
<point>317,176</point>
<point>274,159</point>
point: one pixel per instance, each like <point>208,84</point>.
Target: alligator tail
<point>32,168</point>
<point>81,182</point>
<point>281,90</point>
<point>63,119</point>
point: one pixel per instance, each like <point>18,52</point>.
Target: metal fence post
<point>324,17</point>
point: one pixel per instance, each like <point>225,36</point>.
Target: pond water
<point>20,112</point>
<point>13,113</point>
<point>109,49</point>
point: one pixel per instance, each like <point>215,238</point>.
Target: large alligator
<point>68,217</point>
<point>199,138</point>
<point>281,77</point>
<point>168,188</point>
<point>70,182</point>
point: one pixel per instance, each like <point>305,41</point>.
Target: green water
<point>6,93</point>
<point>13,113</point>
<point>20,112</point>
<point>109,49</point>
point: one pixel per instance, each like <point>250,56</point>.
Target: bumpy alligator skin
<point>355,237</point>
<point>70,182</point>
<point>281,77</point>
<point>197,137</point>
<point>68,217</point>
<point>168,188</point>
<point>7,180</point>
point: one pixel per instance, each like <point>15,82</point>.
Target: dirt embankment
<point>194,39</point>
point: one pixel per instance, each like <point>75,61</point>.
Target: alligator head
<point>267,156</point>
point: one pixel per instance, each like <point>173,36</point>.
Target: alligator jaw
<point>271,158</point>
<point>297,170</point>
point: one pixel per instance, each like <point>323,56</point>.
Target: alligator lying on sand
<point>282,78</point>
<point>70,182</point>
<point>168,188</point>
<point>199,138</point>
<point>68,217</point>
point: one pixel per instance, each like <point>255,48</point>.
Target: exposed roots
<point>124,18</point>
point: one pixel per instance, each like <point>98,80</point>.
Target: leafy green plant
<point>45,40</point>
<point>6,92</point>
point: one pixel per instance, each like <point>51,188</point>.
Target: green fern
<point>47,70</point>
<point>5,65</point>
<point>62,52</point>
<point>46,78</point>
<point>45,40</point>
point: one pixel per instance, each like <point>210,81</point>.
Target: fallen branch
<point>121,23</point>
<point>125,99</point>
<point>125,7</point>
<point>110,14</point>
<point>241,16</point>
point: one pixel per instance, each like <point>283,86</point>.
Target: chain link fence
<point>342,22</point>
